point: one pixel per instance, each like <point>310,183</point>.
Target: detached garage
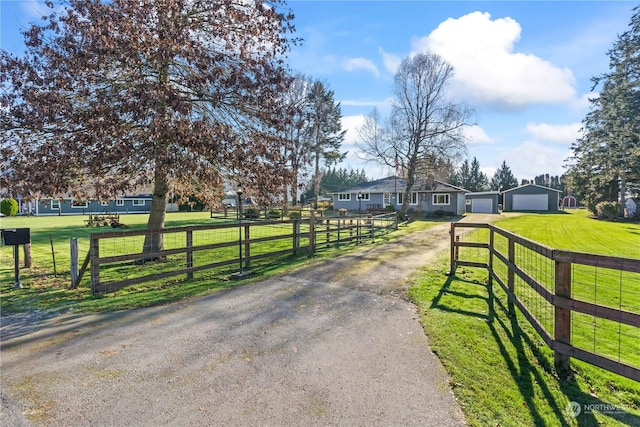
<point>531,197</point>
<point>482,202</point>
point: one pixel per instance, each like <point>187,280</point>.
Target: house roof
<point>484,193</point>
<point>394,184</point>
<point>531,185</point>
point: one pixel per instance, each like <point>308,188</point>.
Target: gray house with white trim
<point>426,196</point>
<point>139,203</point>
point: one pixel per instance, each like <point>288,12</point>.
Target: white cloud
<point>532,158</point>
<point>382,106</point>
<point>391,61</point>
<point>582,104</point>
<point>353,64</point>
<point>487,68</point>
<point>476,135</point>
<point>351,124</point>
<point>562,134</point>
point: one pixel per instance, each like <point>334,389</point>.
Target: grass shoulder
<point>46,292</point>
<point>501,370</point>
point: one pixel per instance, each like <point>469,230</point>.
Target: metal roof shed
<point>531,197</point>
<point>482,202</point>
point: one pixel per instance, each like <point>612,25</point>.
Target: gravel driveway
<point>331,344</point>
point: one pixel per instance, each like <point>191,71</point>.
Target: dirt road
<point>331,344</point>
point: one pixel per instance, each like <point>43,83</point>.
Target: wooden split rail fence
<point>583,306</point>
<point>116,259</point>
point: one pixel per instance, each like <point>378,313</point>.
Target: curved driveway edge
<point>291,350</point>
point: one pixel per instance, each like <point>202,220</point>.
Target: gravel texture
<point>334,343</point>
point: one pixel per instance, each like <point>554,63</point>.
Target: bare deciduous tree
<point>424,130</point>
<point>114,97</point>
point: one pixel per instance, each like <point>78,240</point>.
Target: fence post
<point>190,254</point>
<point>296,236</point>
<point>328,231</point>
<point>562,318</point>
<point>247,246</point>
<point>339,229</point>
<point>511,277</point>
<point>452,236</point>
<point>312,235</point>
<point>491,244</point>
<point>26,248</point>
<point>372,229</point>
<point>95,264</point>
<point>73,247</point>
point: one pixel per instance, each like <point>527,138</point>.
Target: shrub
<point>251,213</point>
<point>608,210</point>
<point>9,207</point>
<point>274,214</point>
<point>295,215</point>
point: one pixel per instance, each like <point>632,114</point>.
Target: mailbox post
<point>16,237</point>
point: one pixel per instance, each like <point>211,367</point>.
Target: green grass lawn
<point>46,290</point>
<point>575,230</point>
<point>501,370</point>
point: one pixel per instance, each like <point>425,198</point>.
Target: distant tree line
<point>334,180</point>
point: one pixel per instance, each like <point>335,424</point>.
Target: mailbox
<point>16,236</point>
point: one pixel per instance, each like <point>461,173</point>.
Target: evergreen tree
<point>334,180</point>
<point>606,159</point>
<point>470,177</point>
<point>503,179</point>
<point>326,130</point>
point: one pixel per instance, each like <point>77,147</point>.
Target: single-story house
<point>139,203</point>
<point>531,197</point>
<point>426,196</point>
<point>483,202</point>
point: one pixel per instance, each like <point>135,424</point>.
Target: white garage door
<point>530,202</point>
<point>481,205</point>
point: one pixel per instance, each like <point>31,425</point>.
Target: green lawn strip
<point>575,230</point>
<point>45,292</point>
<point>502,372</point>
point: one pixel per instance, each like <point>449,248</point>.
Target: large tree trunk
<point>153,241</point>
<point>316,180</point>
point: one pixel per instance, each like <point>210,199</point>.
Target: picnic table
<point>99,220</point>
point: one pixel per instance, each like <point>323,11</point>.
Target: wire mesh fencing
<point>584,306</point>
<point>124,258</point>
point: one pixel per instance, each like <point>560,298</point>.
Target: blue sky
<point>524,67</point>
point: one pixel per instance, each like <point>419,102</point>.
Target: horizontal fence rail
<point>117,259</point>
<point>582,305</point>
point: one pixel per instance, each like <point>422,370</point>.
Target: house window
<point>139,202</point>
<point>344,196</point>
<point>412,201</point>
<point>440,199</point>
<point>386,199</point>
<point>79,204</point>
<point>120,202</point>
<point>55,204</point>
<point>104,203</point>
<point>364,196</point>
